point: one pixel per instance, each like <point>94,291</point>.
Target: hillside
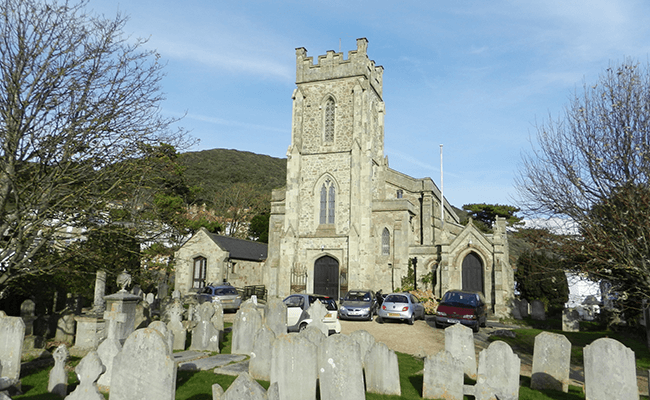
<point>215,170</point>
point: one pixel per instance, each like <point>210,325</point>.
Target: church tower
<point>320,228</point>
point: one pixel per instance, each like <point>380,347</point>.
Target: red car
<point>460,307</point>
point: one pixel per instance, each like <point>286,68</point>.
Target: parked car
<point>358,304</point>
<point>297,318</point>
<point>228,295</point>
<point>467,308</point>
<point>401,306</point>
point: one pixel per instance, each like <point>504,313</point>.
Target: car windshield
<point>328,302</point>
<point>229,291</point>
<point>357,296</point>
<point>460,299</point>
<point>396,298</point>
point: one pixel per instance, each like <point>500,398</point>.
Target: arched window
<point>200,269</point>
<point>385,242</point>
<point>327,202</point>
<point>330,114</point>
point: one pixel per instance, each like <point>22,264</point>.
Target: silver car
<point>228,296</point>
<point>401,306</point>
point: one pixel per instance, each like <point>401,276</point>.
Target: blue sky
<point>475,76</point>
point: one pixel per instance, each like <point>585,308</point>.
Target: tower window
<point>385,242</point>
<point>400,193</point>
<point>330,113</point>
<point>327,202</point>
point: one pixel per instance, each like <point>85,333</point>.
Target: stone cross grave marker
<point>58,376</point>
<point>88,371</point>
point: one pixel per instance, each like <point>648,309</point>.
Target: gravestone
<point>65,328</point>
<point>551,362</point>
<point>260,361</point>
<point>459,341</point>
<point>89,333</point>
<point>247,322</point>
<point>313,334</point>
<point>294,359</point>
<point>204,335</point>
<point>175,324</point>
<point>217,392</point>
<point>217,318</point>
<point>443,377</point>
<point>381,370</point>
<point>317,311</point>
<point>340,372</point>
<point>610,371</point>
<point>88,371</point>
<point>162,328</point>
<point>275,316</point>
<point>99,304</point>
<point>144,369</point>
<point>498,372</point>
<point>523,308</point>
<point>538,311</point>
<point>12,332</point>
<point>516,309</point>
<point>245,388</point>
<point>58,376</point>
<point>365,341</point>
<point>570,320</point>
<point>124,303</point>
<point>28,314</point>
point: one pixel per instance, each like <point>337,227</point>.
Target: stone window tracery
<point>327,202</point>
<point>330,117</point>
<point>385,242</point>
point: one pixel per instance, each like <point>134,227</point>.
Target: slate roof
<point>241,249</point>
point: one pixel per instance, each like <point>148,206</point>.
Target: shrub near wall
<point>426,297</point>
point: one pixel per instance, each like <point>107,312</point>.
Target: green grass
<point>197,385</point>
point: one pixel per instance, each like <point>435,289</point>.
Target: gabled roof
<point>240,249</point>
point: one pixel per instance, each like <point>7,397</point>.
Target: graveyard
<point>192,351</point>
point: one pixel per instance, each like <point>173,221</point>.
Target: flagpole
<point>442,193</point>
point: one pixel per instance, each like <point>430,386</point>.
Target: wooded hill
<point>216,170</point>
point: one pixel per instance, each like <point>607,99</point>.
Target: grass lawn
<point>197,385</point>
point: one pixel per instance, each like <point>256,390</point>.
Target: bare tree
<point>78,101</point>
<point>592,166</point>
<point>238,204</point>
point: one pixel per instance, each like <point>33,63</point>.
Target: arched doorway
<point>472,273</point>
<point>326,276</point>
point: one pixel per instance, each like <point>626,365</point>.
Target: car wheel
<point>411,320</point>
<point>484,323</point>
<point>302,327</point>
<point>380,319</point>
<point>476,328</point>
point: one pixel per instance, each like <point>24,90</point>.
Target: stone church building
<point>346,220</point>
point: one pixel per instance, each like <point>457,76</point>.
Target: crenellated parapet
<point>333,66</point>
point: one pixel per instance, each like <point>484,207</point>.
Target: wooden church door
<point>472,273</point>
<point>326,276</point>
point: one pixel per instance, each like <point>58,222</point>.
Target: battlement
<point>332,66</point>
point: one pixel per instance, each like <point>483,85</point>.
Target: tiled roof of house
<point>241,249</point>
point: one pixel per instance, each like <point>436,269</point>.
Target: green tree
<point>486,214</point>
<point>592,166</point>
<point>259,227</point>
<point>78,100</point>
<point>541,277</point>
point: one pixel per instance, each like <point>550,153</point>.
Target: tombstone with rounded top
<point>443,377</point>
<point>260,362</point>
<point>12,332</point>
<point>459,341</point>
<point>610,371</point>
<point>315,335</point>
<point>365,341</point>
<point>275,316</point>
<point>294,360</point>
<point>381,370</point>
<point>340,372</point>
<point>551,362</point>
<point>247,322</point>
<point>498,371</point>
<point>537,310</point>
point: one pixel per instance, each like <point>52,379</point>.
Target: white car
<point>297,318</point>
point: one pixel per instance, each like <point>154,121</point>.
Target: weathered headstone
<point>313,334</point>
<point>124,303</point>
<point>498,372</point>
<point>340,372</point>
<point>99,304</point>
<point>275,316</point>
<point>12,332</point>
<point>610,371</point>
<point>28,314</point>
<point>162,328</point>
<point>144,369</point>
<point>245,388</point>
<point>459,341</point>
<point>443,377</point>
<point>89,333</point>
<point>365,341</point>
<point>65,328</point>
<point>260,361</point>
<point>247,322</point>
<point>294,359</point>
<point>523,308</point>
<point>175,324</point>
<point>551,362</point>
<point>88,371</point>
<point>58,377</point>
<point>538,310</point>
<point>204,335</point>
<point>217,392</point>
<point>317,312</point>
<point>381,370</point>
<point>570,320</point>
<point>217,318</point>
<point>516,309</point>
